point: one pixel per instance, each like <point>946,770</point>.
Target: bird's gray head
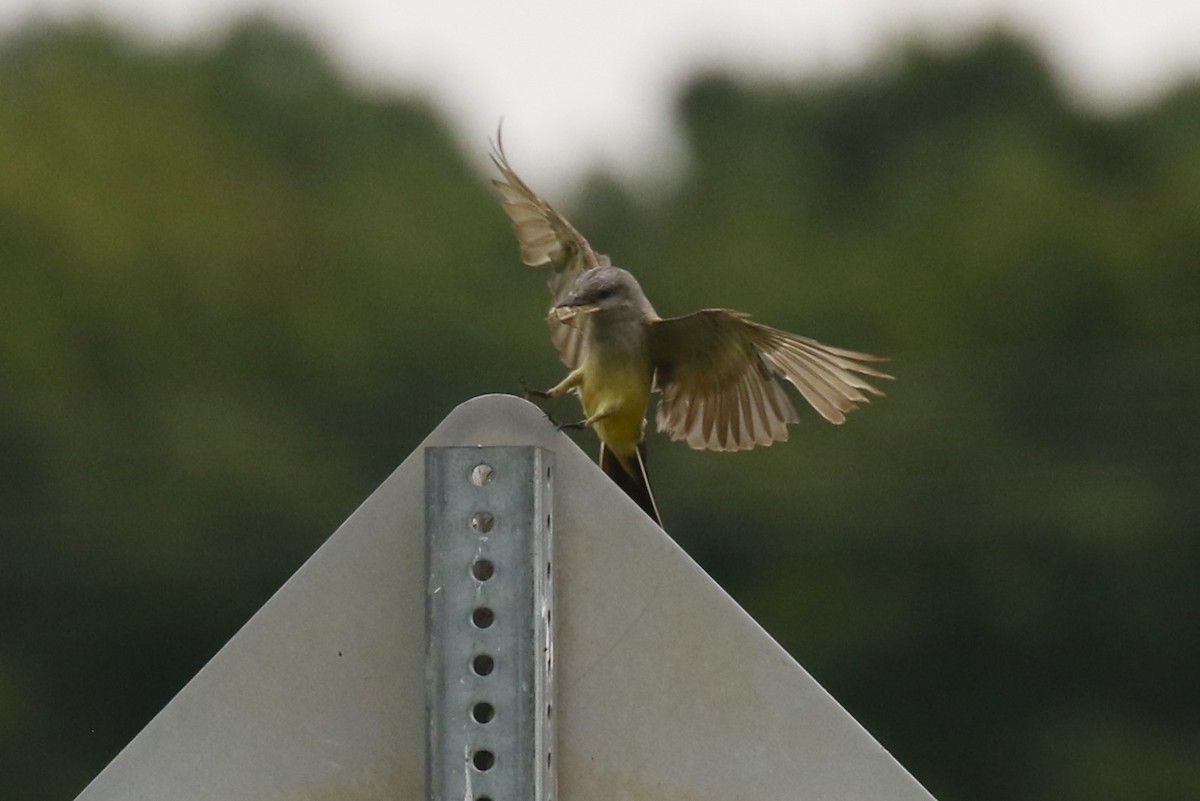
<point>609,292</point>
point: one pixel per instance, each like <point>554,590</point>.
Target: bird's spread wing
<point>547,239</point>
<point>718,372</point>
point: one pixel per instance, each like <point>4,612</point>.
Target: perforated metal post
<point>489,633</point>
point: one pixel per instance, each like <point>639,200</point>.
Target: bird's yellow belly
<point>617,395</point>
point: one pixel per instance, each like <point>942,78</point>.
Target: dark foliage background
<point>235,291</point>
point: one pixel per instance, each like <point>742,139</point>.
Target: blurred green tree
<point>238,289</point>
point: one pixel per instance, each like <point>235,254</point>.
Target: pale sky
<point>591,82</point>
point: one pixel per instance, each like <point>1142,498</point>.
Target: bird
<point>717,372</point>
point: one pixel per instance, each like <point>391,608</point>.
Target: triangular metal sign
<point>666,688</point>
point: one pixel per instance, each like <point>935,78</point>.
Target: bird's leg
<point>528,392</point>
<point>587,422</point>
<point>573,379</point>
<point>531,394</point>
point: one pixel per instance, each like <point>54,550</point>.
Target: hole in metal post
<point>483,522</point>
<point>483,569</point>
<point>483,798</point>
<point>483,712</point>
<point>483,617</point>
<point>483,665</point>
<point>483,760</point>
<point>482,474</point>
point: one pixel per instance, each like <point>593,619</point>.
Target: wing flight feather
<point>719,373</point>
<point>546,238</point>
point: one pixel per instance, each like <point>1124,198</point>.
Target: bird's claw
<point>528,392</point>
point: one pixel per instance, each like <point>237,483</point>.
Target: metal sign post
<point>489,635</point>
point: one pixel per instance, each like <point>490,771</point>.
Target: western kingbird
<point>716,369</point>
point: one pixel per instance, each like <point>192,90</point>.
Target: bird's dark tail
<point>631,478</point>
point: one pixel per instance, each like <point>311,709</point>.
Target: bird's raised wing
<point>547,239</point>
<point>718,372</point>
